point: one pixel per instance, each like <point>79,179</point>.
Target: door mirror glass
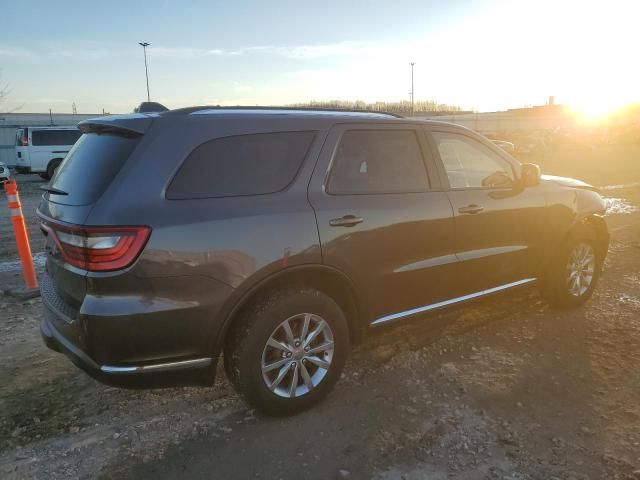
<point>530,174</point>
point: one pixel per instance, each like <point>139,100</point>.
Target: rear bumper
<point>198,371</point>
<point>65,330</point>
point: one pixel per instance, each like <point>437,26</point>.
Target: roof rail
<point>188,110</point>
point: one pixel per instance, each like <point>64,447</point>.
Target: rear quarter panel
<point>227,245</point>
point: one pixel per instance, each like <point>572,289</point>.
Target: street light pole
<point>412,91</point>
<point>144,46</point>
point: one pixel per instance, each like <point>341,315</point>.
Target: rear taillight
<point>99,249</point>
<point>25,139</point>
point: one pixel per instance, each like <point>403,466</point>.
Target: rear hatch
<point>22,152</point>
<point>72,248</point>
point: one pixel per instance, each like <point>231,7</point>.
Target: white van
<point>42,149</point>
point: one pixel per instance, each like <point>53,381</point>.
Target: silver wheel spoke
<point>312,336</point>
<point>320,348</point>
<point>274,365</point>
<point>305,376</point>
<point>279,345</point>
<point>319,362</point>
<point>288,332</point>
<point>281,375</point>
<point>305,326</point>
<point>294,382</point>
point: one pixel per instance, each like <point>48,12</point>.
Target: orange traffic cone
<point>20,231</point>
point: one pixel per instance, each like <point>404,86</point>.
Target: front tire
<point>288,351</point>
<point>575,270</point>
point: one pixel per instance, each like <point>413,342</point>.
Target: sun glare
<point>593,110</point>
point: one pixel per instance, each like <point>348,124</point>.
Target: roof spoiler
<point>132,124</point>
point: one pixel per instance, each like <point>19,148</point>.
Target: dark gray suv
<point>278,237</point>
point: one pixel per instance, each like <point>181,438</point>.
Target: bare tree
<point>4,94</point>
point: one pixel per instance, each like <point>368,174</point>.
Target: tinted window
<point>90,166</point>
<point>241,165</point>
<point>54,137</point>
<point>378,161</point>
<point>470,164</point>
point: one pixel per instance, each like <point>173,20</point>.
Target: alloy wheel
<point>580,269</point>
<point>297,355</point>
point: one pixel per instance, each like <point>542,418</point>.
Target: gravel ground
<point>505,389</point>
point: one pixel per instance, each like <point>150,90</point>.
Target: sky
<point>481,55</point>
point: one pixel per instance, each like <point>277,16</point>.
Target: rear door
<point>383,219</point>
<point>499,225</point>
<point>22,148</point>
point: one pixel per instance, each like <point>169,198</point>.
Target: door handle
<point>473,208</point>
<point>346,221</point>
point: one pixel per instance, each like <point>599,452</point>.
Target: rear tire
<point>51,168</point>
<point>575,271</point>
<point>273,357</point>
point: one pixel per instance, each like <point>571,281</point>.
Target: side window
<point>241,165</point>
<point>38,138</point>
<point>470,164</point>
<point>55,137</point>
<point>377,161</point>
<point>68,137</point>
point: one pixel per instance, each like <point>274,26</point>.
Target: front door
<point>499,225</point>
<point>383,219</point>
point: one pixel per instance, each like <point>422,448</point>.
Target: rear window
<point>54,137</point>
<point>241,165</point>
<point>90,166</point>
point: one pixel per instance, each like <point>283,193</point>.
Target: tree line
<point>392,107</point>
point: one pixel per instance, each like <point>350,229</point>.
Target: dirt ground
<point>504,389</point>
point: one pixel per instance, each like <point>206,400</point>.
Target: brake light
<point>99,249</point>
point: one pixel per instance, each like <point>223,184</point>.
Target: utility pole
<point>412,91</point>
<point>144,46</point>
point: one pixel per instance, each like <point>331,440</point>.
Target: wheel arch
<point>596,223</point>
<point>51,162</point>
<point>326,279</point>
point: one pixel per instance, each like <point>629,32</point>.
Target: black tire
<point>51,169</point>
<point>44,176</point>
<point>243,353</point>
<point>556,287</point>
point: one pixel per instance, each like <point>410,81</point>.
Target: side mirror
<point>530,174</point>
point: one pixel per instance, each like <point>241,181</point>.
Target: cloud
<point>298,52</point>
<point>310,52</point>
<point>90,54</point>
<point>187,52</point>
<point>15,52</point>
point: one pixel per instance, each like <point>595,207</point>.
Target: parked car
<point>504,145</point>
<point>277,238</point>
<point>42,149</point>
<point>5,174</point>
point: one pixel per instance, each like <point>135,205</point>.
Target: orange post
<point>20,231</point>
